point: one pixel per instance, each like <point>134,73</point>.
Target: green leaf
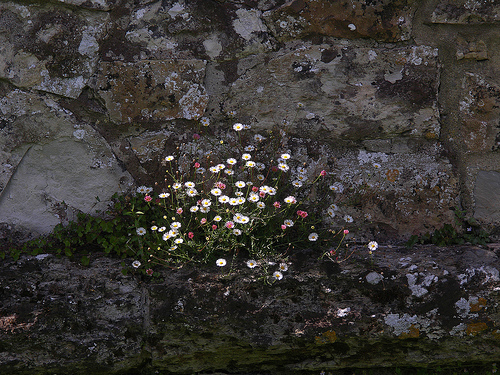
<point>85,260</point>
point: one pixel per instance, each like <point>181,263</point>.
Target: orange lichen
<point>413,333</point>
<point>392,174</point>
<point>481,302</point>
<point>475,328</point>
<point>326,337</point>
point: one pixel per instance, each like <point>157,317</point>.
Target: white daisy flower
<point>249,148</point>
<point>175,225</point>
<point>231,161</point>
<point>206,203</point>
<point>141,231</point>
<point>372,245</point>
<point>192,192</point>
<point>334,207</point>
<point>205,209</point>
<point>337,187</point>
<point>205,121</point>
<point>284,167</point>
<point>237,232</point>
<point>137,264</point>
<point>142,189</point>
<point>290,200</point>
<point>177,185</point>
<point>216,192</point>
<point>166,236</point>
<point>224,199</point>
<point>260,177</point>
<point>217,218</point>
<point>348,219</point>
<point>164,195</point>
<point>162,229</point>
<point>229,172</point>
<point>221,262</point>
<point>154,227</point>
<point>258,137</point>
<point>238,193</point>
<point>200,170</point>
<point>194,209</point>
<point>253,197</point>
<point>313,237</point>
<point>239,184</point>
<point>246,156</point>
<point>285,156</point>
<point>238,127</point>
<point>261,205</point>
<point>261,166</point>
<point>250,164</point>
<point>189,184</point>
<point>330,212</point>
<point>251,263</point>
<point>288,223</point>
<point>241,200</point>
<point>301,177</point>
<point>278,275</point>
<point>214,169</point>
<point>283,267</point>
<point>271,191</point>
<point>169,158</point>
<point>297,183</point>
<point>233,201</point>
<point>179,240</point>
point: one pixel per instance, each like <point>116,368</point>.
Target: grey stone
<point>487,196</point>
<point>319,317</point>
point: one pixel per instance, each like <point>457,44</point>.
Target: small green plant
<point>465,230</point>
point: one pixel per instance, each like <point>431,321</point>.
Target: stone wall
<point>93,94</point>
<point>425,308</point>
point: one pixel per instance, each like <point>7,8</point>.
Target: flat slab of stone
<point>385,20</point>
<point>466,12</point>
<point>149,91</point>
<point>441,304</point>
<point>487,196</point>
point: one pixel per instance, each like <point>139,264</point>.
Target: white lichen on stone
<point>374,278</point>
<point>248,22</point>
<point>418,290</point>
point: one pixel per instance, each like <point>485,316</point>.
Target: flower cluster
<point>255,203</point>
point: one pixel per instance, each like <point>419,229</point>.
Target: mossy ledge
<point>427,307</point>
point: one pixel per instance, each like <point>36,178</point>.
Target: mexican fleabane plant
<point>245,196</point>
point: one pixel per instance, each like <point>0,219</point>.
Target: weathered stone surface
<point>487,196</point>
<point>344,90</point>
<point>479,111</point>
<point>385,20</point>
<point>51,164</point>
<point>105,5</point>
<point>153,90</point>
<point>49,48</point>
<point>466,12</point>
<point>431,307</point>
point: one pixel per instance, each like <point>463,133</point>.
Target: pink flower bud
<point>322,173</point>
<point>283,226</point>
<point>197,165</point>
<point>346,231</point>
<point>190,234</point>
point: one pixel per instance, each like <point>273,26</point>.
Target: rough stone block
<point>342,90</point>
<point>150,91</point>
<point>386,20</point>
<point>466,12</point>
<point>50,48</point>
<point>479,111</point>
<point>487,196</point>
<point>51,165</point>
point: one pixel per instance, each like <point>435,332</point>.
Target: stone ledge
<point>429,306</point>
